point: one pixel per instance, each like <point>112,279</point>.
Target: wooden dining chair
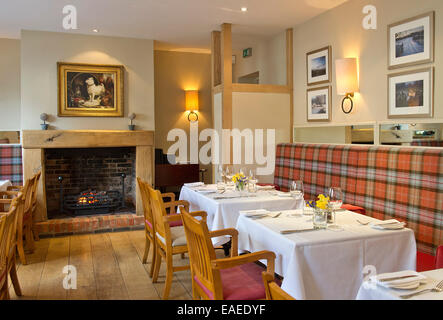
<point>33,225</point>
<point>149,220</point>
<point>8,227</point>
<point>273,290</point>
<point>169,241</point>
<point>233,278</point>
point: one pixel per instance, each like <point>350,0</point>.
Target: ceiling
<point>175,24</point>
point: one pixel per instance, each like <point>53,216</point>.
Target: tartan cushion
<point>439,258</point>
<point>11,164</point>
<point>400,183</point>
<point>427,143</point>
<point>319,166</point>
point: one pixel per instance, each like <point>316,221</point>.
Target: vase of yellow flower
<point>321,212</point>
<point>240,182</point>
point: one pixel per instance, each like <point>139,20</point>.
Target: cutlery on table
<point>297,231</point>
<point>277,215</point>
<point>437,288</point>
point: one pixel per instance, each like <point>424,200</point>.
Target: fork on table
<point>437,288</point>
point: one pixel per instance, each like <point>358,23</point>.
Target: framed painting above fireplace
<point>87,90</point>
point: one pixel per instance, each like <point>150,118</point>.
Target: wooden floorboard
<point>109,266</point>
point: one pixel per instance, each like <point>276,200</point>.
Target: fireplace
<point>89,181</point>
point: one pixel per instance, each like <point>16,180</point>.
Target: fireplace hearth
<point>90,181</point>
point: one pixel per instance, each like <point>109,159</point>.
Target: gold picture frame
<point>324,57</point>
<point>411,94</point>
<point>323,111</point>
<point>90,90</point>
<point>411,41</point>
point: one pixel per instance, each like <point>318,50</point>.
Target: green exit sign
<point>247,52</point>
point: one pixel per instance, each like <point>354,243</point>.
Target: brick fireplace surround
<point>35,144</point>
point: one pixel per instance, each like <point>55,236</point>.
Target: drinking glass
<point>229,173</point>
<point>221,173</point>
<point>252,181</point>
<point>297,190</point>
<point>221,187</point>
<point>335,203</point>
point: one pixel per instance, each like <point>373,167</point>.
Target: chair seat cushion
<point>178,237</point>
<point>425,262</point>
<point>243,282</point>
<point>175,223</point>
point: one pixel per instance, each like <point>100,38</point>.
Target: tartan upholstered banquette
<point>401,183</point>
<point>11,164</point>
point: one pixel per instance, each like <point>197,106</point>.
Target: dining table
<point>431,280</point>
<point>223,209</point>
<point>326,264</point>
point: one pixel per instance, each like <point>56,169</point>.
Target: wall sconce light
<point>347,81</point>
<point>192,104</point>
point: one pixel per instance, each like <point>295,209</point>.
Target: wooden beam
<point>216,58</point>
<point>290,76</point>
<point>226,58</point>
<point>263,88</point>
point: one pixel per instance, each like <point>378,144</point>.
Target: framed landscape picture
<point>411,94</point>
<point>411,41</point>
<point>86,90</point>
<point>319,104</point>
<point>318,65</point>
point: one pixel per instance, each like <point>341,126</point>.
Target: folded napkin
<point>388,225</point>
<point>284,194</point>
<point>265,187</point>
<point>253,213</point>
<point>206,189</point>
<point>399,280</point>
<point>194,184</point>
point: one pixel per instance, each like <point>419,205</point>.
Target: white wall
<point>40,52</point>
<point>342,29</point>
<point>10,84</point>
<point>268,57</point>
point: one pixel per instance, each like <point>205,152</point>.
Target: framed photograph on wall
<point>86,90</point>
<point>319,104</point>
<point>411,94</point>
<point>411,41</point>
<point>318,64</point>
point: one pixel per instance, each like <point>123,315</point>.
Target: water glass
<point>320,218</point>
<point>297,190</point>
<point>335,203</point>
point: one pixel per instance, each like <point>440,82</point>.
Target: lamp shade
<point>347,76</point>
<point>191,100</point>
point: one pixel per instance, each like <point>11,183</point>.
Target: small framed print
<point>411,94</point>
<point>319,104</point>
<point>318,65</point>
<point>411,41</point>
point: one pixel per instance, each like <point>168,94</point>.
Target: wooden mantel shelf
<point>43,139</point>
<point>36,141</point>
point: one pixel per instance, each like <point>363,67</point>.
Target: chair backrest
<point>158,212</point>
<point>7,234</point>
<point>146,198</point>
<point>201,253</point>
<point>439,258</point>
<point>27,194</point>
<point>35,190</point>
<point>273,290</point>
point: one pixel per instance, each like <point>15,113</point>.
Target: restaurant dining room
<point>166,153</point>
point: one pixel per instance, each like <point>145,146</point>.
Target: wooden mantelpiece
<point>35,142</point>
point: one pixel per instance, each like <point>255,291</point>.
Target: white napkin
<point>388,225</point>
<point>412,281</point>
<point>194,184</point>
<point>253,213</point>
<point>284,194</point>
<point>265,188</point>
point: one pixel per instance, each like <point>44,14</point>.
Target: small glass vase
<point>320,218</point>
<point>240,187</point>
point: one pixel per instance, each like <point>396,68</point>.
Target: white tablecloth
<point>327,264</point>
<point>381,293</point>
<point>223,214</point>
<point>4,184</point>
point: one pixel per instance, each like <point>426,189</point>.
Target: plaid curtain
<point>11,164</point>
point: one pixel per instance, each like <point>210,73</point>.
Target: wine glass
<point>335,202</point>
<point>297,190</point>
<point>252,181</point>
<point>229,173</point>
<point>221,173</point>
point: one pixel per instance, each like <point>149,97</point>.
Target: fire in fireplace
<point>93,202</point>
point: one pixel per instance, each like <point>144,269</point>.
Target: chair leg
<point>35,233</point>
<point>20,248</point>
<point>195,294</point>
<point>145,255</point>
<point>154,259</point>
<point>14,279</point>
<point>169,275</point>
<point>158,261</point>
<point>29,238</point>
